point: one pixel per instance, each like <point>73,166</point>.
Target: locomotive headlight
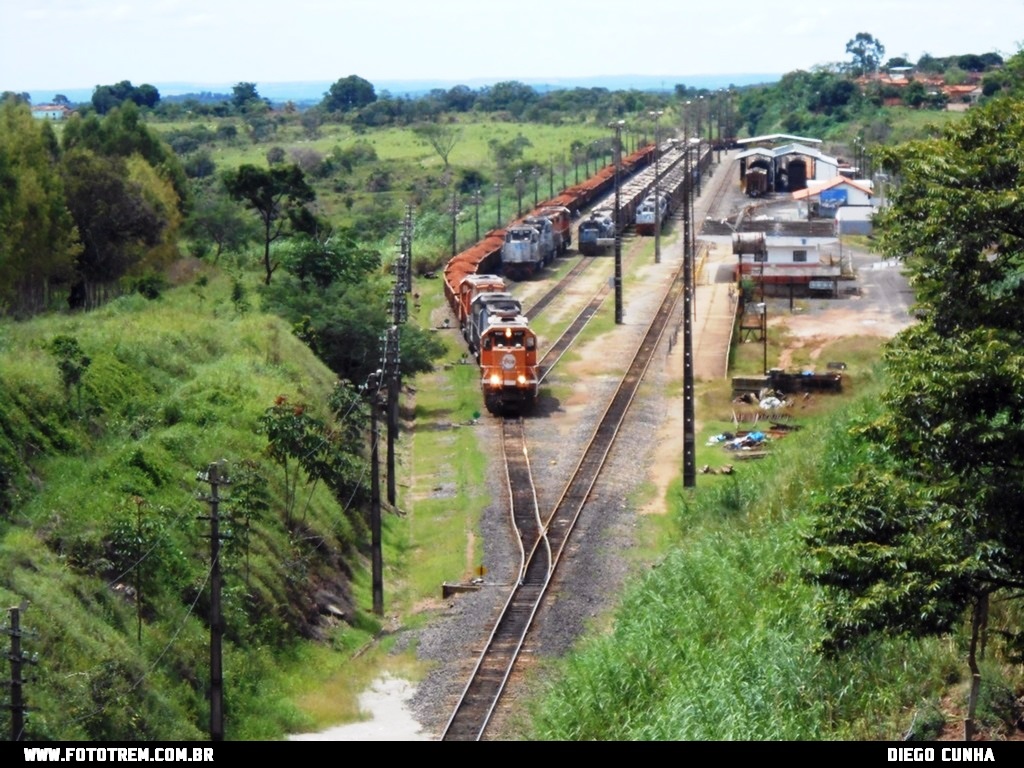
<point>521,379</point>
<point>495,379</point>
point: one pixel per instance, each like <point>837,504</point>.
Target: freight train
<point>524,253</point>
<point>496,331</point>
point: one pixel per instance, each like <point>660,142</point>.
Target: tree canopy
<point>38,239</point>
<point>867,52</point>
<point>931,529</point>
<point>107,97</point>
<point>349,93</point>
<point>278,196</point>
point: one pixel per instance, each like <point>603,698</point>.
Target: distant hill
<point>311,91</point>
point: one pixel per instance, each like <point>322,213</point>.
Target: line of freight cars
<point>661,203</point>
<point>637,202</point>
<point>491,319</point>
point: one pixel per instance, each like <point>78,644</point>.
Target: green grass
<point>171,386</point>
<point>716,643</point>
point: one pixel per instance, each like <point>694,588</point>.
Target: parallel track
<point>542,543</point>
<point>546,545</point>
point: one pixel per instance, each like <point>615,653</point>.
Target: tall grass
<point>171,386</point>
<point>718,641</point>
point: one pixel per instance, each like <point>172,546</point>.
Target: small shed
<point>792,262</point>
<point>855,220</point>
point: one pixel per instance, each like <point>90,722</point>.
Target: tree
<point>72,364</point>
<point>441,136</point>
<point>215,221</point>
<point>118,223</point>
<point>302,443</point>
<point>123,133</point>
<point>930,531</point>
<point>38,240</point>
<point>867,53</point>
<point>349,93</point>
<point>278,196</point>
<point>107,97</point>
<point>337,258</point>
<point>243,95</point>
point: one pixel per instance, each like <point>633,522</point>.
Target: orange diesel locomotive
<point>500,336</point>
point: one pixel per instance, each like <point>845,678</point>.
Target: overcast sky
<point>54,44</point>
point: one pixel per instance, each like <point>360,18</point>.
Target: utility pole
<point>497,189</point>
<point>520,185</point>
<point>700,102</point>
<point>407,251</point>
<point>454,210</point>
<point>373,384</point>
<point>19,711</point>
<point>655,115</point>
<point>392,374</point>
<point>392,350</point>
<point>617,125</point>
<point>477,199</point>
<point>689,441</point>
<point>214,478</point>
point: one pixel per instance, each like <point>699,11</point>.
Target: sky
<point>65,44</point>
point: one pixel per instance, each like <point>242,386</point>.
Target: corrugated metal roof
<point>816,189</point>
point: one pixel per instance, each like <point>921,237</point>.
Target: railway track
<point>543,542</point>
<point>544,546</point>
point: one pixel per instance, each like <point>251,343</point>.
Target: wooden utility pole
<point>216,480</point>
<point>373,385</point>
<point>17,681</point>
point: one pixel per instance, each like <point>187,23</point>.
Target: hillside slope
<point>104,538</point>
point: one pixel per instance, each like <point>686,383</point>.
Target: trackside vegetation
<point>718,640</point>
<point>197,283</point>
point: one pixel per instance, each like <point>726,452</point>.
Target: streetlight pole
<point>689,441</point>
<point>688,234</point>
<point>455,219</point>
<point>497,189</point>
<point>373,385</point>
<point>519,191</point>
<point>655,115</point>
<point>700,101</point>
<point>477,199</point>
<point>617,125</point>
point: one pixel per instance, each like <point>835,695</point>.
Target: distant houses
<point>51,112</point>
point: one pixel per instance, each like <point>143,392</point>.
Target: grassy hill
<point>105,536</point>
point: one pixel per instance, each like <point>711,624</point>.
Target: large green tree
<point>331,291</point>
<point>867,53</point>
<point>278,196</point>
<point>349,93</point>
<point>118,220</point>
<point>107,97</point>
<point>38,240</point>
<point>123,133</point>
<point>932,529</point>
